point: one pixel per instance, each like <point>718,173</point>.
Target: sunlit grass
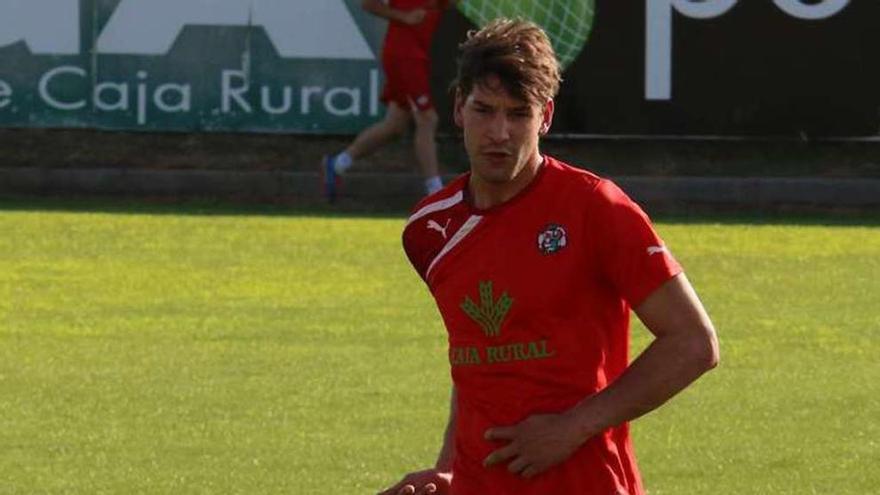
<point>151,352</point>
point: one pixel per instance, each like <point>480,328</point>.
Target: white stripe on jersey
<point>459,235</point>
<point>439,205</point>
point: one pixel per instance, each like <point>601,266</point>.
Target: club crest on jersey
<point>552,239</point>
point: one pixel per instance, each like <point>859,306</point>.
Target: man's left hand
<point>534,445</point>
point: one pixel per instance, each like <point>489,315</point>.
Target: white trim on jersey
<point>439,205</point>
<point>459,235</point>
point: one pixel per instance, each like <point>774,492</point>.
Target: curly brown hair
<point>518,52</point>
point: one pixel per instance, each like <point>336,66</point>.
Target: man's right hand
<point>429,481</point>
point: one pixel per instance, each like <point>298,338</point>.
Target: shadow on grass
<point>775,215</point>
<point>678,214</point>
<point>764,216</point>
<point>196,207</point>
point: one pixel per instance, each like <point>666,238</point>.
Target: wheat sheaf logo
<point>491,312</point>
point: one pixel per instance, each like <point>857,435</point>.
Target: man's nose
<point>499,128</point>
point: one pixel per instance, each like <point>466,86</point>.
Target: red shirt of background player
<point>535,294</point>
<point>406,55</point>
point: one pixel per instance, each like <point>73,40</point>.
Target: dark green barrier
<point>706,67</point>
<point>250,65</point>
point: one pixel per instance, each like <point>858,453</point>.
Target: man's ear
<point>457,109</point>
<point>547,117</point>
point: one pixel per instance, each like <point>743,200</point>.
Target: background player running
<point>407,92</point>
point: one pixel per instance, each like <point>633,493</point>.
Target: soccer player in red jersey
<point>407,92</point>
<point>535,266</point>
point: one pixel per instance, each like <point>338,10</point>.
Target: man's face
<point>500,132</point>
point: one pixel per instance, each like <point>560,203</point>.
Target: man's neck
<point>485,195</point>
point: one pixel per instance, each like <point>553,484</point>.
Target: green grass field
<point>163,350</point>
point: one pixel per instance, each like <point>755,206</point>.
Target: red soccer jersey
<point>536,295</point>
<point>412,42</point>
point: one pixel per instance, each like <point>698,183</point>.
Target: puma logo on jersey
<point>432,225</point>
<point>652,250</point>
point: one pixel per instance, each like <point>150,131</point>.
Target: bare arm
<point>685,347</point>
<point>438,479</point>
<point>380,9</point>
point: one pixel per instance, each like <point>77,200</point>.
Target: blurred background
<point>242,98</point>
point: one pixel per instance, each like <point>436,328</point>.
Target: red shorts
<point>407,83</point>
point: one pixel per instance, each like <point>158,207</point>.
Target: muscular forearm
<point>685,348</point>
<point>665,368</point>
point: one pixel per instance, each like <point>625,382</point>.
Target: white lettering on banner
<point>66,88</point>
<point>298,29</point>
<point>658,39</point>
<point>141,98</point>
<point>5,94</point>
<point>353,95</point>
<point>305,98</point>
<point>113,96</point>
<point>228,93</point>
<point>658,31</point>
<point>121,91</point>
<point>266,98</point>
<point>814,11</point>
<point>337,101</point>
<point>374,93</point>
<point>48,27</point>
<point>47,96</point>
<point>184,98</point>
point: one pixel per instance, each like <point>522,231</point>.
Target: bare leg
<point>425,141</point>
<point>394,124</point>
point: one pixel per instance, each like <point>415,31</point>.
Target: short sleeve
<point>632,256</point>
